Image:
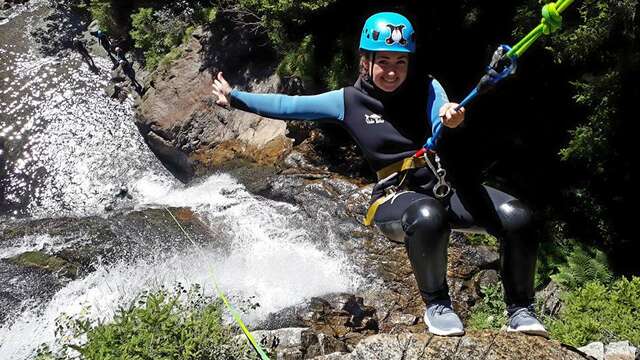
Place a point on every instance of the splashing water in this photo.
(268, 260)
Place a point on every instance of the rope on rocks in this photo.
(236, 316)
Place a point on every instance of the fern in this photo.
(583, 266)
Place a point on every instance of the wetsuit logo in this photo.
(396, 36)
(373, 119)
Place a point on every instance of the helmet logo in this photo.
(396, 36)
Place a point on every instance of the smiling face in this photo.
(389, 69)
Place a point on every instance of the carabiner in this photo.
(441, 189)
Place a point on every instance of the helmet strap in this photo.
(372, 58)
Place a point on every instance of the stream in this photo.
(68, 154)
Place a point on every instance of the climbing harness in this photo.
(502, 65)
(236, 317)
(440, 190)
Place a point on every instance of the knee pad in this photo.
(426, 216)
(515, 216)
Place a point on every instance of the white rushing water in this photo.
(269, 262)
(70, 149)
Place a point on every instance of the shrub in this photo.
(299, 62)
(273, 15)
(102, 12)
(583, 266)
(159, 32)
(598, 312)
(159, 325)
(490, 312)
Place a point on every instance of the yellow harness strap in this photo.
(411, 162)
(399, 167)
(371, 212)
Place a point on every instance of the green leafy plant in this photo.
(597, 312)
(583, 266)
(490, 312)
(272, 16)
(182, 324)
(102, 12)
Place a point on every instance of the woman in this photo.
(390, 115)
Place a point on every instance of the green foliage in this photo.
(341, 69)
(552, 253)
(299, 62)
(490, 312)
(598, 312)
(482, 239)
(159, 325)
(583, 266)
(159, 32)
(589, 143)
(568, 262)
(272, 16)
(102, 12)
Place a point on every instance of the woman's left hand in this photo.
(450, 117)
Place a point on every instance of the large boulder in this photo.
(182, 124)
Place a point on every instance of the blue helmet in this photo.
(388, 31)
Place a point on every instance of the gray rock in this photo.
(281, 338)
(550, 297)
(620, 350)
(595, 349)
(480, 345)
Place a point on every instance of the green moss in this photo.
(598, 312)
(176, 324)
(47, 262)
(482, 239)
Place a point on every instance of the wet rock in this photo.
(321, 344)
(50, 263)
(174, 160)
(63, 22)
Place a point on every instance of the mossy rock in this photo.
(51, 263)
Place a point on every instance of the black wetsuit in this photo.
(389, 127)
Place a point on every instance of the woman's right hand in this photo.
(221, 89)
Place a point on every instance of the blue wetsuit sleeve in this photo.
(329, 105)
(437, 98)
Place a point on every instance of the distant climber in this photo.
(104, 41)
(128, 70)
(78, 45)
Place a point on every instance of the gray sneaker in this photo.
(524, 320)
(442, 320)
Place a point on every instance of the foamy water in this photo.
(268, 261)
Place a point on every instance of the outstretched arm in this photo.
(329, 105)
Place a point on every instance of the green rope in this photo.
(550, 23)
(256, 346)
